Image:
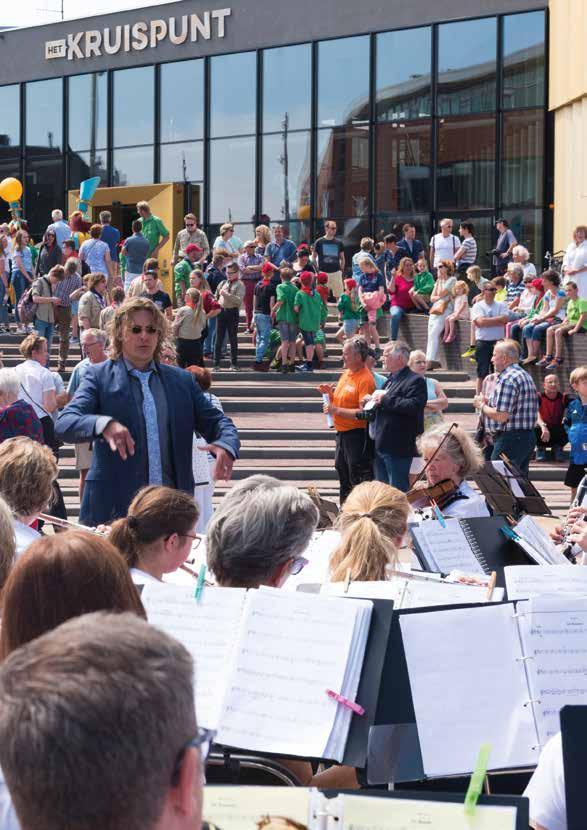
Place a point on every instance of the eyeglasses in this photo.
(491, 290)
(297, 565)
(190, 225)
(194, 536)
(202, 741)
(141, 329)
(89, 345)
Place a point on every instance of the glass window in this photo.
(287, 87)
(233, 84)
(242, 231)
(342, 172)
(528, 230)
(182, 162)
(10, 122)
(299, 232)
(402, 180)
(133, 165)
(484, 233)
(232, 180)
(44, 116)
(343, 81)
(133, 108)
(87, 111)
(286, 175)
(523, 60)
(523, 158)
(85, 165)
(182, 100)
(466, 163)
(404, 65)
(44, 191)
(466, 66)
(393, 223)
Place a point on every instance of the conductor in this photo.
(141, 415)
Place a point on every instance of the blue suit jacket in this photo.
(111, 482)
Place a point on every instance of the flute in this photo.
(56, 521)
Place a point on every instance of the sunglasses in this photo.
(141, 329)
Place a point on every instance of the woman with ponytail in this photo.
(156, 536)
(188, 327)
(372, 522)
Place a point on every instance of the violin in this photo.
(439, 494)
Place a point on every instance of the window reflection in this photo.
(232, 180)
(466, 163)
(402, 180)
(182, 162)
(467, 66)
(287, 87)
(484, 233)
(133, 107)
(87, 111)
(182, 101)
(523, 158)
(85, 165)
(528, 230)
(523, 60)
(44, 183)
(403, 74)
(286, 175)
(44, 116)
(343, 81)
(342, 172)
(233, 94)
(10, 121)
(393, 223)
(134, 165)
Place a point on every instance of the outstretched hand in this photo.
(224, 461)
(119, 439)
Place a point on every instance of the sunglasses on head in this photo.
(141, 329)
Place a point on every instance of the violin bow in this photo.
(433, 456)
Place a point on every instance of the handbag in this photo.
(27, 309)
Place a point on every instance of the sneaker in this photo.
(216, 367)
(540, 455)
(303, 368)
(469, 353)
(74, 341)
(558, 454)
(545, 361)
(233, 368)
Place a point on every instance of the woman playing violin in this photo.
(457, 458)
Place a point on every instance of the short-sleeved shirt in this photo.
(483, 309)
(35, 380)
(574, 312)
(546, 789)
(514, 291)
(93, 252)
(516, 394)
(310, 313)
(160, 298)
(43, 311)
(345, 306)
(445, 247)
(423, 282)
(286, 295)
(328, 252)
(278, 253)
(470, 255)
(263, 293)
(401, 296)
(137, 249)
(153, 230)
(350, 391)
(370, 282)
(77, 375)
(27, 259)
(111, 236)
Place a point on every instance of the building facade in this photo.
(371, 114)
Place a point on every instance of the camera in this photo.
(368, 415)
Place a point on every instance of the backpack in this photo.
(27, 309)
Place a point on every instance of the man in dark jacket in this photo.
(400, 416)
(409, 245)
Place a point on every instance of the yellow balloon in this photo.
(10, 190)
(304, 212)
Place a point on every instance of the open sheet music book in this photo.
(496, 674)
(414, 593)
(537, 544)
(280, 808)
(264, 660)
(526, 581)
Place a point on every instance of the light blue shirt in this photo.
(8, 819)
(62, 231)
(77, 376)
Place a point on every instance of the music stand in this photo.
(500, 490)
(574, 740)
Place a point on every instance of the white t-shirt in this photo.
(546, 789)
(24, 536)
(445, 247)
(34, 381)
(139, 578)
(529, 269)
(8, 819)
(496, 309)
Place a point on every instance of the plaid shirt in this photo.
(514, 393)
(66, 287)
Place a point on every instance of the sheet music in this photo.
(291, 648)
(322, 543)
(414, 593)
(513, 484)
(554, 635)
(392, 589)
(528, 581)
(206, 628)
(245, 808)
(531, 532)
(446, 548)
(372, 813)
(468, 688)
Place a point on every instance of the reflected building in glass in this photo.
(412, 119)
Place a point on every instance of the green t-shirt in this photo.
(574, 312)
(345, 306)
(310, 314)
(423, 283)
(181, 275)
(153, 230)
(286, 294)
(273, 344)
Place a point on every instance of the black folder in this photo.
(574, 740)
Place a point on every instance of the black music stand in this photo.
(498, 491)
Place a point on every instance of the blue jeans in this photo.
(395, 315)
(210, 340)
(263, 324)
(3, 306)
(20, 284)
(517, 444)
(394, 470)
(46, 331)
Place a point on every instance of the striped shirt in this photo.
(470, 255)
(66, 287)
(515, 393)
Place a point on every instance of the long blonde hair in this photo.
(372, 519)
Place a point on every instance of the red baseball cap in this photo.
(193, 249)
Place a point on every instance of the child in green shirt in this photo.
(349, 311)
(286, 317)
(575, 322)
(423, 285)
(308, 306)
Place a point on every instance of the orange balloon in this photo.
(304, 212)
(10, 190)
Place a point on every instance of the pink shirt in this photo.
(401, 296)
